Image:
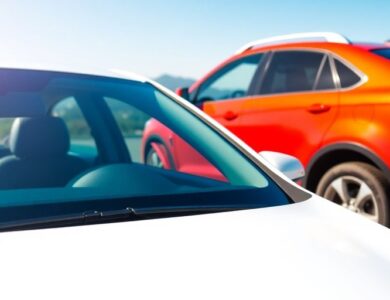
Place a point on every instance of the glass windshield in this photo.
(384, 52)
(74, 143)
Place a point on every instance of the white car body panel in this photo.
(85, 69)
(309, 250)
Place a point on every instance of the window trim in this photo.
(113, 128)
(335, 74)
(294, 92)
(331, 55)
(319, 72)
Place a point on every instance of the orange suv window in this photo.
(347, 77)
(292, 71)
(232, 81)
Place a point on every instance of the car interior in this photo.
(39, 146)
(39, 149)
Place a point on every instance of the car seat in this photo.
(39, 155)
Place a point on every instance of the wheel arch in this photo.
(337, 153)
(157, 139)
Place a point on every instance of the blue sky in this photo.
(178, 37)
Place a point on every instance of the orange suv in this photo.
(315, 96)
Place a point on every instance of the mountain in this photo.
(174, 82)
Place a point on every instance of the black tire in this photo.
(354, 177)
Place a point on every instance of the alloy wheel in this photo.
(355, 195)
(152, 159)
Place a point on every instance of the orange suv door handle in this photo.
(318, 108)
(230, 115)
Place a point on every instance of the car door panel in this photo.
(289, 115)
(222, 95)
(286, 123)
(227, 112)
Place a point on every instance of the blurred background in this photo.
(172, 41)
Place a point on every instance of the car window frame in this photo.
(363, 77)
(113, 125)
(268, 64)
(216, 75)
(336, 79)
(336, 83)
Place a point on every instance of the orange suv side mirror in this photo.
(183, 92)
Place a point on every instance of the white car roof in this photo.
(87, 70)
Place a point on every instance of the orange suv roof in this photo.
(306, 39)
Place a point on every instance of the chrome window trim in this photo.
(335, 74)
(319, 72)
(295, 93)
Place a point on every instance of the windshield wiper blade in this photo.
(96, 217)
(178, 210)
(89, 217)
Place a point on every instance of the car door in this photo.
(221, 95)
(297, 102)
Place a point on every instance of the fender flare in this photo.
(157, 139)
(351, 146)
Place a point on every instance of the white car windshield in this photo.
(72, 144)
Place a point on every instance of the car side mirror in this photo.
(289, 165)
(183, 92)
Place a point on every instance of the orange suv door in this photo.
(297, 102)
(221, 95)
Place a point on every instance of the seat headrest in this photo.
(40, 137)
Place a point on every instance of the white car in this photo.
(84, 218)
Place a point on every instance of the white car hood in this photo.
(309, 250)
